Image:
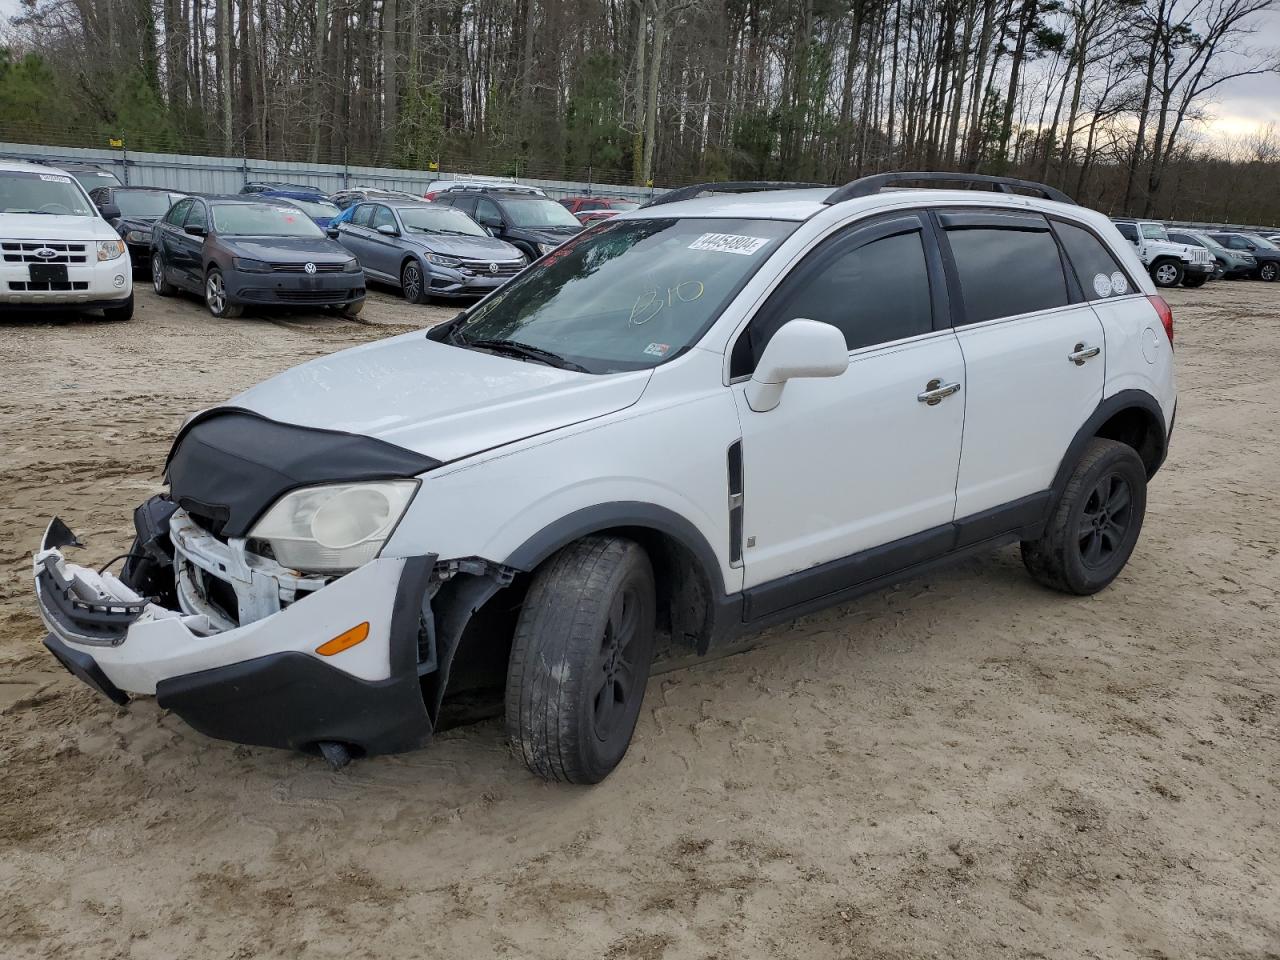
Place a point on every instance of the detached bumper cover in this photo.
(260, 683)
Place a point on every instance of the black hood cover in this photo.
(228, 466)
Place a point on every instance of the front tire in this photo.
(1096, 523)
(216, 299)
(1197, 281)
(121, 313)
(1268, 272)
(413, 283)
(1169, 273)
(352, 309)
(580, 659)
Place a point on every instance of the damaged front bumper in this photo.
(254, 674)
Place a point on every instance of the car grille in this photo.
(50, 286)
(24, 251)
(301, 268)
(508, 268)
(313, 296)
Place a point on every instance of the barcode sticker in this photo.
(729, 243)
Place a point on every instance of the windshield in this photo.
(1260, 242)
(1208, 242)
(537, 212)
(262, 220)
(629, 294)
(55, 194)
(1154, 231)
(421, 218)
(145, 204)
(317, 208)
(92, 179)
(623, 205)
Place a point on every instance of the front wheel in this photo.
(1096, 523)
(215, 297)
(580, 659)
(1197, 281)
(121, 312)
(1167, 274)
(413, 283)
(352, 309)
(1269, 272)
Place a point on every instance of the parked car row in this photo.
(1193, 257)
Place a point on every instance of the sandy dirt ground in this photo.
(966, 766)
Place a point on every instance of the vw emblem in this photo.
(45, 253)
(310, 268)
(493, 268)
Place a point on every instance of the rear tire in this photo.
(580, 659)
(413, 282)
(1096, 523)
(1167, 273)
(121, 313)
(162, 287)
(215, 297)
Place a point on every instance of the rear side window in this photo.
(179, 212)
(1099, 273)
(1004, 273)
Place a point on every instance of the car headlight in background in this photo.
(138, 236)
(333, 528)
(440, 261)
(351, 266)
(545, 248)
(250, 266)
(110, 249)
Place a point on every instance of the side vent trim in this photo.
(735, 503)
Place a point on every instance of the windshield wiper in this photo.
(523, 350)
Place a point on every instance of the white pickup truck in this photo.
(1168, 263)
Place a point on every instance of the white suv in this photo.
(689, 422)
(56, 251)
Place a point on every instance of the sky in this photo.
(1239, 107)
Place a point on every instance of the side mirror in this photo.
(109, 211)
(332, 232)
(195, 230)
(387, 230)
(800, 348)
(490, 224)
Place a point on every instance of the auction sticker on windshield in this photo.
(54, 179)
(729, 243)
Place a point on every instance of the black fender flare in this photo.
(1108, 408)
(620, 513)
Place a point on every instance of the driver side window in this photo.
(197, 217)
(382, 217)
(487, 212)
(178, 213)
(871, 282)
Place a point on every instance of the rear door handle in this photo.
(1083, 353)
(935, 391)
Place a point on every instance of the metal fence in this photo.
(197, 174)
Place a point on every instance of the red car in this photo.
(591, 209)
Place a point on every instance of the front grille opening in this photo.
(48, 286)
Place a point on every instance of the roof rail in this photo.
(731, 186)
(869, 186)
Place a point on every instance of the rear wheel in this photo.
(413, 283)
(580, 659)
(1269, 272)
(162, 287)
(1167, 273)
(1096, 523)
(215, 297)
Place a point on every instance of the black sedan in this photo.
(428, 250)
(133, 212)
(241, 250)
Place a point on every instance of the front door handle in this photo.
(1083, 353)
(935, 391)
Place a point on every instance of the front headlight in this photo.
(440, 261)
(351, 266)
(250, 266)
(110, 249)
(138, 236)
(545, 248)
(334, 528)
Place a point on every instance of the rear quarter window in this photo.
(1099, 273)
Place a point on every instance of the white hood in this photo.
(40, 226)
(442, 401)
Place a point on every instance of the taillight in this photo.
(1166, 315)
(429, 196)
